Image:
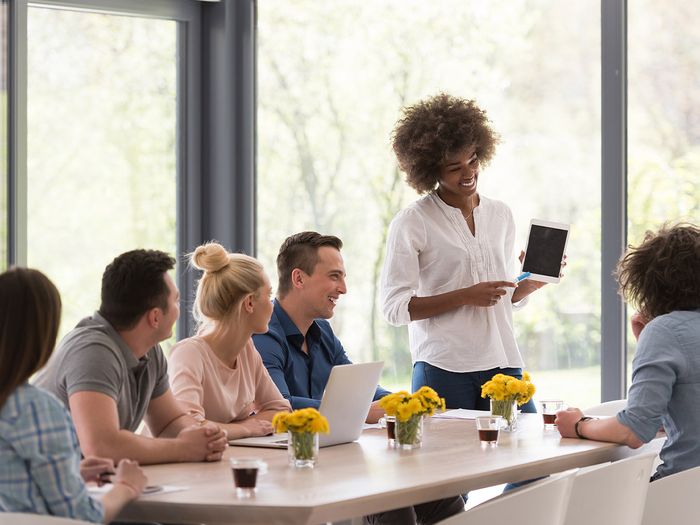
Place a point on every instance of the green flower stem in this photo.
(505, 408)
(303, 444)
(407, 431)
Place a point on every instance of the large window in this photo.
(101, 145)
(664, 117)
(332, 79)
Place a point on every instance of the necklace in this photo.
(466, 217)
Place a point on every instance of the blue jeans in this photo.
(462, 389)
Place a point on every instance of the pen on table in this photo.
(522, 276)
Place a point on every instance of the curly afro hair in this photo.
(661, 275)
(434, 128)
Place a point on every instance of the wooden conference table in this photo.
(365, 477)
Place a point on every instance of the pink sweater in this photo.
(210, 389)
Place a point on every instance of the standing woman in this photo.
(450, 264)
(41, 468)
(218, 374)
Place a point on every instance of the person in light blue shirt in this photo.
(661, 277)
(41, 468)
(300, 348)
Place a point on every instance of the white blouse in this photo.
(430, 250)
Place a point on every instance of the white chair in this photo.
(609, 408)
(20, 518)
(540, 503)
(612, 494)
(672, 499)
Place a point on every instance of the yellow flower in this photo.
(502, 387)
(302, 420)
(404, 405)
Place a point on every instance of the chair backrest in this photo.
(672, 499)
(609, 408)
(612, 494)
(18, 518)
(540, 503)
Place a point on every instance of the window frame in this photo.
(188, 121)
(217, 142)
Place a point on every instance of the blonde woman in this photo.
(217, 374)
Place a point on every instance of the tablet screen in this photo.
(545, 250)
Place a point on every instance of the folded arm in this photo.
(97, 423)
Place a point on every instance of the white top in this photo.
(430, 250)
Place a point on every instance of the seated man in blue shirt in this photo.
(300, 347)
(660, 277)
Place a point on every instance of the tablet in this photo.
(544, 252)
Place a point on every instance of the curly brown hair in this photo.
(434, 128)
(661, 274)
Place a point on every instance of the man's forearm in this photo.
(173, 428)
(609, 429)
(127, 445)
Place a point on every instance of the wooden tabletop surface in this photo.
(365, 477)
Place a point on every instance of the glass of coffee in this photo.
(245, 475)
(488, 428)
(549, 409)
(389, 422)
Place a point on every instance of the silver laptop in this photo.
(345, 404)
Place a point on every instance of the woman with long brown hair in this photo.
(42, 472)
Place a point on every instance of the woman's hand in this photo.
(130, 475)
(92, 467)
(528, 286)
(249, 427)
(487, 293)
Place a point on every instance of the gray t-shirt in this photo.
(666, 389)
(94, 358)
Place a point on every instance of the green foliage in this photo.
(101, 145)
(332, 79)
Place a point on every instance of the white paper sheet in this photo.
(151, 490)
(461, 413)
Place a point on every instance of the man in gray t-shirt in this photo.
(111, 373)
(94, 358)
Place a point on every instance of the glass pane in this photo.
(332, 78)
(4, 78)
(101, 146)
(664, 118)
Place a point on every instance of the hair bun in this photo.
(210, 257)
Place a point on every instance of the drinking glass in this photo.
(245, 475)
(390, 424)
(489, 428)
(549, 409)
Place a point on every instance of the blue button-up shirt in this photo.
(40, 459)
(301, 377)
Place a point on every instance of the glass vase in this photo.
(508, 409)
(409, 434)
(302, 449)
